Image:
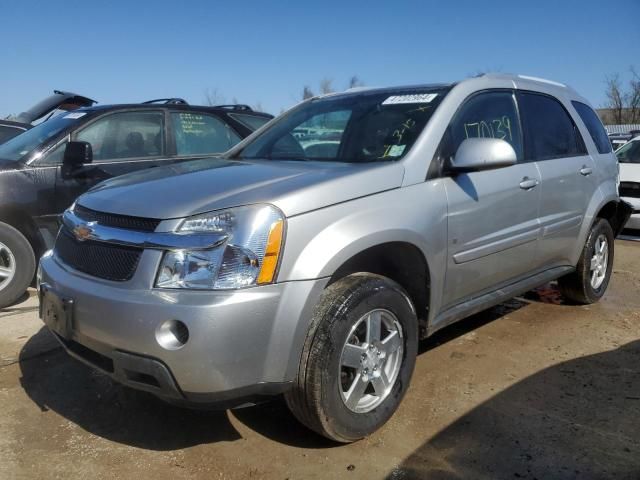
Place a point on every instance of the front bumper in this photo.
(634, 219)
(242, 344)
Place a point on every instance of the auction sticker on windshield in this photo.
(75, 115)
(415, 98)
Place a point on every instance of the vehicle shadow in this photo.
(54, 381)
(577, 419)
(18, 306)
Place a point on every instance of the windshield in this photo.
(365, 127)
(24, 144)
(629, 152)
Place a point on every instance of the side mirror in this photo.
(483, 154)
(76, 154)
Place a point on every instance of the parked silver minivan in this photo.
(311, 259)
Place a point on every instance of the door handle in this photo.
(528, 183)
(585, 171)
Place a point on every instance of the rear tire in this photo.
(17, 264)
(590, 280)
(358, 358)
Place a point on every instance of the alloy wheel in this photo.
(371, 360)
(7, 266)
(599, 261)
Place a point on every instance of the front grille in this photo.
(630, 189)
(102, 260)
(117, 221)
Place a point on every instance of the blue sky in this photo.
(265, 52)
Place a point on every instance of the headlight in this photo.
(248, 257)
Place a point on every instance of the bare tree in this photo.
(307, 92)
(213, 97)
(258, 107)
(633, 96)
(615, 97)
(325, 86)
(355, 82)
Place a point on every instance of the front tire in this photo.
(358, 358)
(590, 280)
(17, 264)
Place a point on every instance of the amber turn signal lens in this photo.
(271, 254)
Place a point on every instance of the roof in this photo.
(526, 80)
(174, 106)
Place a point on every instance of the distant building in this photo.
(622, 129)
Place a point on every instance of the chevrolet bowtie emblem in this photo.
(83, 232)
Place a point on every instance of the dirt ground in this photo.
(529, 389)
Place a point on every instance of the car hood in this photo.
(199, 186)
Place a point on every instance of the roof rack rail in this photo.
(237, 106)
(168, 101)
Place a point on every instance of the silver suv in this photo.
(313, 257)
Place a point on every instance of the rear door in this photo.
(492, 214)
(553, 141)
(197, 134)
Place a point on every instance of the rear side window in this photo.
(198, 134)
(594, 125)
(549, 131)
(252, 122)
(486, 115)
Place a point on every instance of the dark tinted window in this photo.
(594, 125)
(8, 132)
(549, 131)
(487, 115)
(629, 152)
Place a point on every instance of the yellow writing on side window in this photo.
(496, 128)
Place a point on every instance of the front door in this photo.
(122, 142)
(493, 214)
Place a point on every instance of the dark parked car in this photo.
(65, 101)
(45, 168)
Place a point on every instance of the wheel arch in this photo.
(616, 212)
(402, 262)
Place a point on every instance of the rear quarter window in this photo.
(594, 125)
(252, 122)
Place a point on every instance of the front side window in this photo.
(198, 134)
(629, 152)
(125, 135)
(366, 127)
(549, 131)
(594, 125)
(485, 115)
